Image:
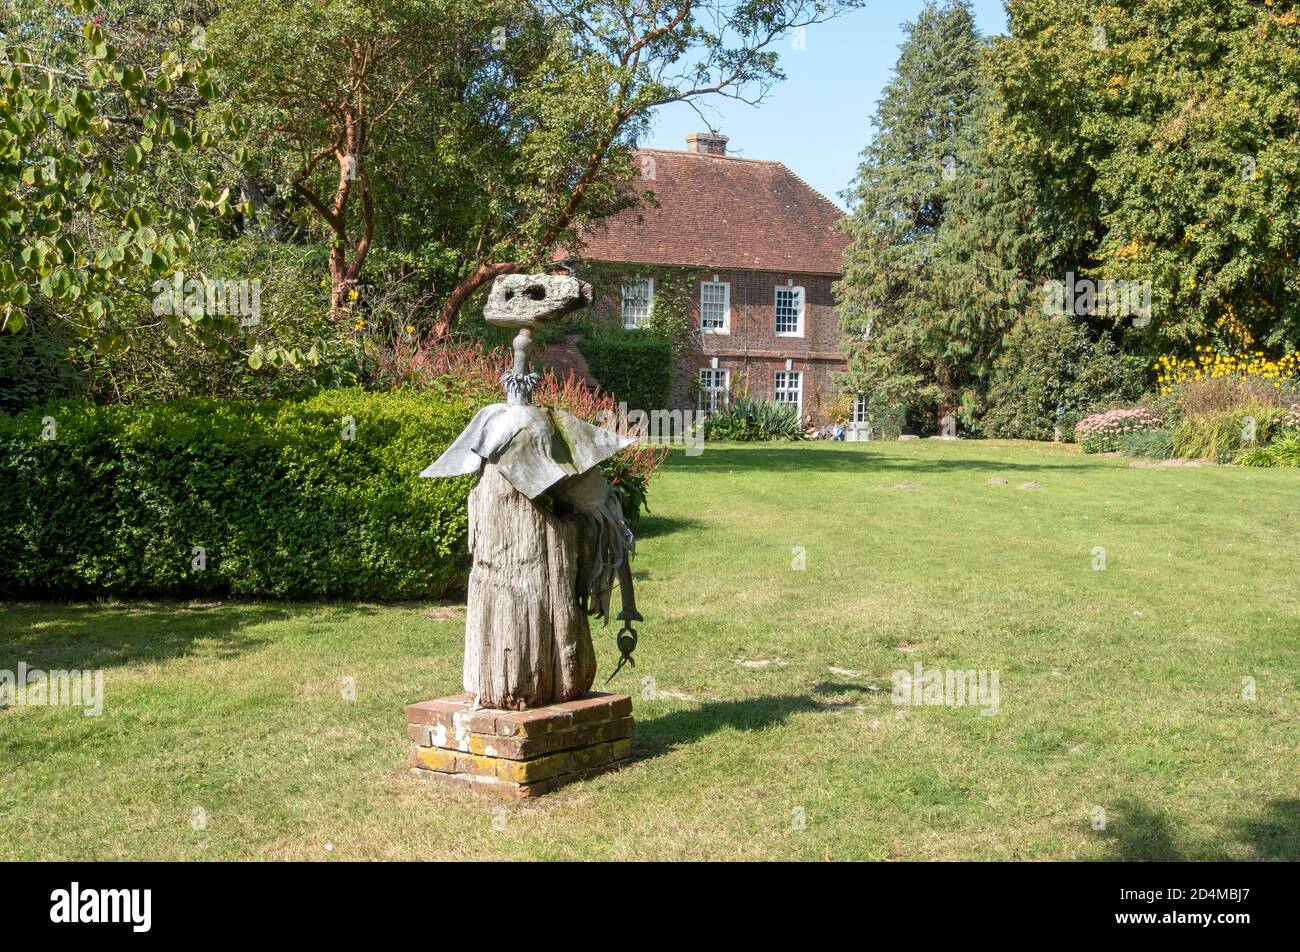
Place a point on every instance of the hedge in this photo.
(635, 366)
(282, 503)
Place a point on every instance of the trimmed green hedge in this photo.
(635, 366)
(283, 504)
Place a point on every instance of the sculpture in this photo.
(546, 530)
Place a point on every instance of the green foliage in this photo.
(1220, 437)
(1100, 443)
(34, 367)
(934, 274)
(631, 482)
(377, 119)
(1159, 141)
(289, 348)
(1152, 444)
(888, 420)
(1052, 372)
(670, 311)
(634, 366)
(1284, 450)
(88, 124)
(748, 420)
(283, 503)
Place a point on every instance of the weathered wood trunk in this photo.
(527, 641)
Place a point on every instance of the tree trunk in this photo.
(527, 641)
(461, 293)
(339, 286)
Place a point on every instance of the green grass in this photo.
(1119, 688)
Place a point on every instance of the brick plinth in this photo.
(517, 754)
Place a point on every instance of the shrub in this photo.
(1153, 444)
(281, 501)
(635, 366)
(451, 367)
(1101, 432)
(1051, 373)
(296, 347)
(1247, 372)
(1220, 394)
(1284, 450)
(1220, 437)
(749, 420)
(34, 366)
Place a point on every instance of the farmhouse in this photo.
(749, 251)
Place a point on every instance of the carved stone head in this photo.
(530, 300)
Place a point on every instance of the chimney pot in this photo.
(709, 143)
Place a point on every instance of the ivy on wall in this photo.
(639, 366)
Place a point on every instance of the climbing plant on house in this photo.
(639, 366)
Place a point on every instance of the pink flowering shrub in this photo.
(1292, 419)
(1101, 432)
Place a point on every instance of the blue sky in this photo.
(818, 120)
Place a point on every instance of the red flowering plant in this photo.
(470, 371)
(464, 369)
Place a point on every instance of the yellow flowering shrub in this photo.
(1249, 367)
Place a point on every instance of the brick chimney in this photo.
(710, 143)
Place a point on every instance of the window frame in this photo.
(777, 390)
(802, 297)
(860, 414)
(726, 307)
(724, 392)
(649, 282)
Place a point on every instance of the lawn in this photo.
(781, 586)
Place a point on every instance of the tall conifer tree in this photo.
(939, 263)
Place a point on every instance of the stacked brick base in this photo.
(517, 754)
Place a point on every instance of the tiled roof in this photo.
(723, 212)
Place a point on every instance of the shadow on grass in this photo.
(105, 636)
(657, 737)
(801, 457)
(1137, 832)
(1276, 835)
(653, 527)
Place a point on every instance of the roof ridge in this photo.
(706, 155)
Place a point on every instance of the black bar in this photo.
(447, 903)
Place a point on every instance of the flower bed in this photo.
(1102, 432)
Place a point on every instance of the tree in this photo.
(483, 135)
(332, 92)
(1160, 142)
(87, 122)
(620, 60)
(928, 284)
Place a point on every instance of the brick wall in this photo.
(750, 348)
